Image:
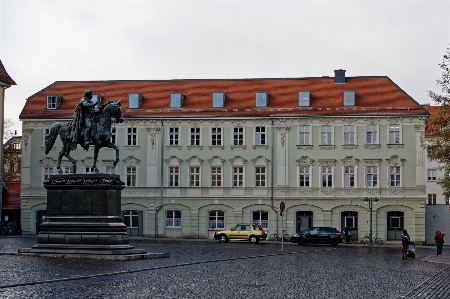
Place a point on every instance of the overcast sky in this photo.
(46, 41)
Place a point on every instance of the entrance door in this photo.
(303, 220)
(40, 217)
(350, 218)
(134, 221)
(394, 225)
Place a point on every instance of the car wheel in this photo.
(223, 238)
(334, 243)
(301, 241)
(253, 239)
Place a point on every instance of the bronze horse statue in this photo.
(102, 137)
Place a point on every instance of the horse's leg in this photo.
(60, 155)
(96, 149)
(112, 145)
(74, 163)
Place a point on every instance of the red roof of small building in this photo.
(374, 95)
(4, 77)
(11, 196)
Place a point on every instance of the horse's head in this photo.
(116, 111)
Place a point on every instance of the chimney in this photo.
(339, 76)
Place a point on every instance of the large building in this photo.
(202, 155)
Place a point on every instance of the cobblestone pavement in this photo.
(209, 269)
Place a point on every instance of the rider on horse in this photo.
(83, 119)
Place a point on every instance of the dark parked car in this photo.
(328, 235)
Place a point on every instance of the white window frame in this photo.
(216, 176)
(372, 131)
(326, 135)
(397, 180)
(67, 169)
(304, 135)
(195, 134)
(172, 221)
(304, 175)
(217, 218)
(259, 219)
(431, 174)
(134, 100)
(113, 135)
(349, 134)
(174, 136)
(131, 175)
(110, 169)
(46, 132)
(394, 134)
(260, 176)
(373, 175)
(431, 199)
(325, 176)
(238, 136)
(218, 99)
(216, 136)
(176, 100)
(46, 172)
(52, 102)
(304, 98)
(237, 173)
(131, 217)
(260, 135)
(349, 174)
(261, 99)
(173, 176)
(88, 169)
(132, 136)
(194, 176)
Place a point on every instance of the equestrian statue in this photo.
(91, 125)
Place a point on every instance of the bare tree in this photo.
(439, 124)
(7, 132)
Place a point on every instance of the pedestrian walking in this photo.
(347, 234)
(439, 242)
(405, 242)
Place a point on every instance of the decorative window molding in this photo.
(131, 161)
(237, 172)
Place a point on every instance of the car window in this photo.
(314, 231)
(326, 230)
(237, 227)
(306, 231)
(245, 227)
(256, 227)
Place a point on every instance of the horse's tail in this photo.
(54, 129)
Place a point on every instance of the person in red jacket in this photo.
(405, 243)
(439, 242)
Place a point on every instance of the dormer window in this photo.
(304, 99)
(134, 100)
(218, 99)
(53, 101)
(349, 98)
(176, 100)
(96, 98)
(261, 99)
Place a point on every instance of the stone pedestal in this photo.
(84, 219)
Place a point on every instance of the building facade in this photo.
(12, 157)
(202, 155)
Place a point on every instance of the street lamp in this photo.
(370, 201)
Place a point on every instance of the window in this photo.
(173, 218)
(349, 98)
(46, 135)
(431, 199)
(261, 99)
(113, 135)
(174, 176)
(349, 134)
(131, 218)
(238, 176)
(261, 217)
(238, 136)
(216, 176)
(327, 176)
(394, 134)
(431, 174)
(260, 135)
(260, 176)
(194, 176)
(88, 170)
(131, 176)
(304, 99)
(218, 99)
(216, 136)
(326, 135)
(349, 176)
(304, 176)
(67, 169)
(195, 136)
(131, 136)
(176, 100)
(216, 219)
(96, 98)
(47, 172)
(173, 136)
(371, 134)
(134, 100)
(394, 176)
(16, 145)
(303, 135)
(52, 101)
(110, 170)
(372, 176)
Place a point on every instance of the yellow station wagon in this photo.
(250, 232)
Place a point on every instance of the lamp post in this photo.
(370, 201)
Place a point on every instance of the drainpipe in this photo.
(162, 180)
(271, 171)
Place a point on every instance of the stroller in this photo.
(411, 252)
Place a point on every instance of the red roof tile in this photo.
(11, 197)
(4, 77)
(374, 95)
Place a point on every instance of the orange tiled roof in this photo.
(434, 110)
(11, 197)
(374, 95)
(4, 77)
